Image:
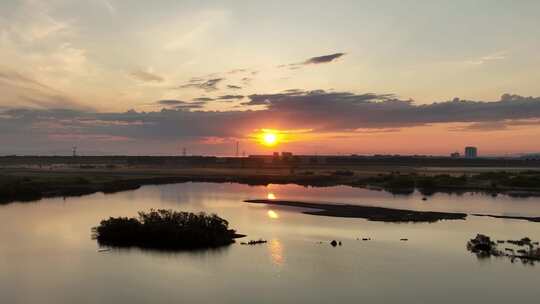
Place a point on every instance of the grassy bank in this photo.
(525, 183)
(29, 185)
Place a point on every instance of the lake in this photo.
(47, 254)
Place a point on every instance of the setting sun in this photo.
(269, 139)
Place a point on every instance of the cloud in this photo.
(146, 76)
(295, 97)
(346, 111)
(230, 97)
(203, 99)
(502, 125)
(170, 102)
(320, 111)
(206, 85)
(17, 88)
(235, 71)
(243, 71)
(17, 79)
(32, 22)
(313, 60)
(181, 105)
(189, 107)
(233, 87)
(323, 59)
(488, 58)
(108, 5)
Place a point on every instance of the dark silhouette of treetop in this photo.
(165, 229)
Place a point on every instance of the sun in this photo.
(269, 139)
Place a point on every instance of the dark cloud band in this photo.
(319, 111)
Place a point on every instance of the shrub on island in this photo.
(165, 229)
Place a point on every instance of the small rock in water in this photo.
(404, 240)
(333, 243)
(339, 243)
(424, 198)
(500, 241)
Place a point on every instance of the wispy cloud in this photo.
(313, 60)
(181, 105)
(109, 6)
(235, 71)
(495, 126)
(17, 79)
(145, 76)
(323, 59)
(203, 99)
(489, 58)
(230, 97)
(206, 85)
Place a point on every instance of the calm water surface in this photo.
(47, 256)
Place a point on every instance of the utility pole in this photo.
(237, 148)
(184, 152)
(74, 151)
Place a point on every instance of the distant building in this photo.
(286, 155)
(455, 155)
(471, 152)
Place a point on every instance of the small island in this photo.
(165, 229)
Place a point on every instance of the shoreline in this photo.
(510, 217)
(24, 185)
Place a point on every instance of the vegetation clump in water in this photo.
(255, 242)
(165, 229)
(484, 247)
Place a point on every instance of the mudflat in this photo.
(378, 214)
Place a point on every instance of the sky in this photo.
(328, 77)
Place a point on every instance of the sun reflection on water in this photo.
(275, 249)
(272, 214)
